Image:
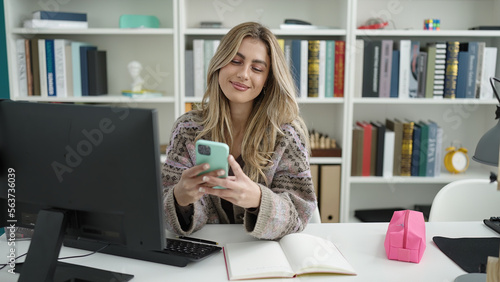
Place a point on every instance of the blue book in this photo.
(76, 66)
(295, 66)
(395, 74)
(84, 68)
(59, 16)
(473, 49)
(463, 68)
(415, 155)
(431, 148)
(51, 67)
(424, 142)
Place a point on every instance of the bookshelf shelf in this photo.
(428, 33)
(278, 32)
(100, 99)
(95, 31)
(423, 101)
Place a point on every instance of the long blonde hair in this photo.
(275, 106)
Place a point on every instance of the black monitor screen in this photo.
(99, 164)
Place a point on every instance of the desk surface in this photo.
(361, 243)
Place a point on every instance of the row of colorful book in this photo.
(60, 68)
(407, 69)
(397, 148)
(317, 66)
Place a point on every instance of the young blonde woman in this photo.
(250, 105)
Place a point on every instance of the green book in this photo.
(329, 67)
(431, 63)
(424, 144)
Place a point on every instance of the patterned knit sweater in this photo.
(286, 204)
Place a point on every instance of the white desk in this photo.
(361, 243)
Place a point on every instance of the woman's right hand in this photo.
(187, 190)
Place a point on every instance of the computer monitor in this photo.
(88, 174)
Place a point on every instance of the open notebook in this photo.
(295, 254)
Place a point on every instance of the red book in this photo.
(367, 147)
(338, 86)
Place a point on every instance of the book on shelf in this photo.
(395, 74)
(322, 69)
(51, 69)
(385, 68)
(189, 74)
(35, 64)
(463, 67)
(439, 151)
(60, 16)
(407, 148)
(451, 73)
(404, 47)
(36, 23)
(439, 70)
(21, 67)
(421, 74)
(29, 69)
(429, 78)
(357, 151)
(413, 83)
(388, 165)
(62, 59)
(373, 156)
(358, 68)
(396, 126)
(84, 71)
(415, 154)
(329, 68)
(295, 66)
(77, 67)
(431, 148)
(371, 68)
(424, 144)
(479, 67)
(470, 84)
(339, 68)
(367, 147)
(313, 69)
(380, 150)
(292, 255)
(42, 59)
(199, 67)
(97, 72)
(304, 69)
(489, 69)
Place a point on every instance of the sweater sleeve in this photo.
(289, 201)
(180, 156)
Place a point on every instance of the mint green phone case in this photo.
(213, 153)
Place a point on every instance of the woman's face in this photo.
(244, 77)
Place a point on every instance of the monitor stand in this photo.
(41, 261)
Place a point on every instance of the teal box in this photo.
(139, 21)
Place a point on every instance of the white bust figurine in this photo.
(135, 68)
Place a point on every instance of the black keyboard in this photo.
(493, 223)
(192, 251)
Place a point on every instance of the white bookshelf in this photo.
(162, 50)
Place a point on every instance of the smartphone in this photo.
(213, 153)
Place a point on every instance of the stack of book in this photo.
(51, 19)
(60, 68)
(406, 69)
(397, 148)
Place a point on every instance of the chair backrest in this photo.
(466, 200)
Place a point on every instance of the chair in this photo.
(316, 218)
(466, 200)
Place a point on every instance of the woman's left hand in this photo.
(240, 190)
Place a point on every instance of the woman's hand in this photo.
(189, 189)
(240, 190)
